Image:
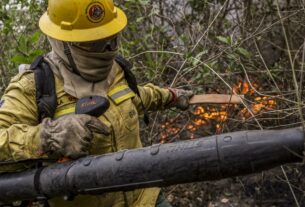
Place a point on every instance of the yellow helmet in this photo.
(82, 20)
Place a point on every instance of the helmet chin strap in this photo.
(67, 52)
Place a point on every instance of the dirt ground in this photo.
(268, 189)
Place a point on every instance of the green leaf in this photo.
(140, 19)
(35, 37)
(196, 60)
(19, 59)
(36, 53)
(232, 56)
(23, 44)
(203, 52)
(228, 194)
(243, 52)
(226, 40)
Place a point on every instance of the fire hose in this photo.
(210, 158)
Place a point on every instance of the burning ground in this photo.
(266, 189)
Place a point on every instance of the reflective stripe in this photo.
(121, 93)
(66, 111)
(117, 89)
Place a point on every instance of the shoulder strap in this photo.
(130, 77)
(46, 98)
(131, 81)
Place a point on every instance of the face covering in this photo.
(93, 65)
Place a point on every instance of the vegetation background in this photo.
(250, 47)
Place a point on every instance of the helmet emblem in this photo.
(95, 12)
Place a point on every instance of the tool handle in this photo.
(216, 99)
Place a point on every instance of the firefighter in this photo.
(84, 36)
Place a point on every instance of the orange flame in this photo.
(206, 115)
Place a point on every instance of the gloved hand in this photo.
(180, 98)
(70, 135)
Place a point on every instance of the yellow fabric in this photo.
(120, 94)
(19, 127)
(62, 112)
(82, 20)
(19, 133)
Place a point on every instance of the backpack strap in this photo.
(131, 81)
(46, 98)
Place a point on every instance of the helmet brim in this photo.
(113, 27)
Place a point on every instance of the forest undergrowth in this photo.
(250, 48)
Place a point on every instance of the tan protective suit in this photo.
(19, 130)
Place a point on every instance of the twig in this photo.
(231, 89)
(296, 91)
(302, 71)
(185, 61)
(291, 189)
(262, 94)
(266, 67)
(155, 51)
(295, 81)
(197, 43)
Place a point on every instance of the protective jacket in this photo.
(20, 130)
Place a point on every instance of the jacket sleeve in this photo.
(19, 127)
(153, 97)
